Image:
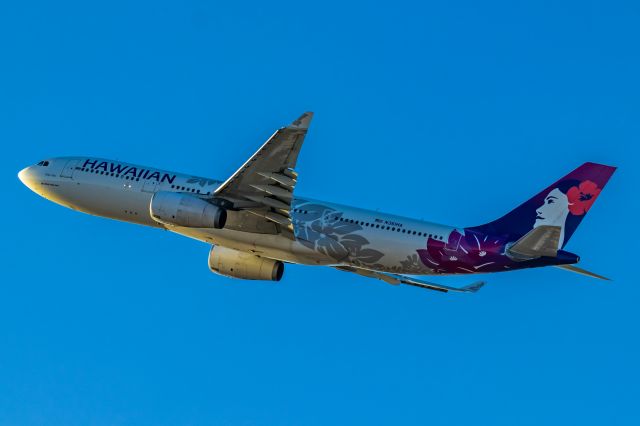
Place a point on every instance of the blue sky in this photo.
(450, 112)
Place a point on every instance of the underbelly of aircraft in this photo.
(273, 246)
(365, 251)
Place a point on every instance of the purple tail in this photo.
(564, 204)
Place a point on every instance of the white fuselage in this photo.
(123, 191)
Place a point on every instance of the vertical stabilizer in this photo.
(563, 204)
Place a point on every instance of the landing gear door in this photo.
(67, 171)
(150, 185)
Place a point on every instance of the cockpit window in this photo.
(43, 163)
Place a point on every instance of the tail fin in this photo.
(563, 204)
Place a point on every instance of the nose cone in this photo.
(26, 177)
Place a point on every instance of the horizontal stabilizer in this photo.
(581, 271)
(540, 241)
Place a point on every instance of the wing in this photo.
(263, 186)
(395, 279)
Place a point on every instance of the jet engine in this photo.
(173, 208)
(239, 264)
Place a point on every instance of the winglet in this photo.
(303, 121)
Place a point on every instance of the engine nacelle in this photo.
(239, 264)
(174, 208)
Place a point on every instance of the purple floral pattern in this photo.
(465, 252)
(477, 249)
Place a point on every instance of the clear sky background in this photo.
(453, 113)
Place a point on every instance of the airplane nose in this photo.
(23, 175)
(26, 177)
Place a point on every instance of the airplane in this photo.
(255, 224)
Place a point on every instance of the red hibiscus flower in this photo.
(581, 197)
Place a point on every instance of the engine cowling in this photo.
(238, 264)
(173, 208)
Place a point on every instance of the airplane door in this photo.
(150, 186)
(68, 169)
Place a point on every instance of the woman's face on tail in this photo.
(554, 210)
